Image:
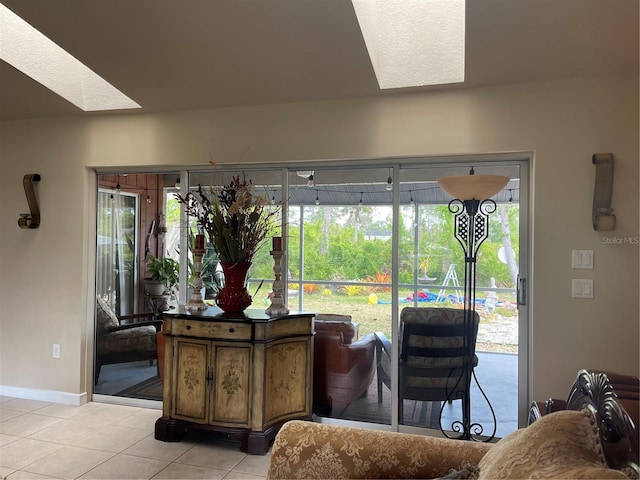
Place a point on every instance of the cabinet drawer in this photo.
(216, 330)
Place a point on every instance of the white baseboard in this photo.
(130, 402)
(52, 396)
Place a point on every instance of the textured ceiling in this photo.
(172, 55)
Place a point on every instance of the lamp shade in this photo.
(473, 187)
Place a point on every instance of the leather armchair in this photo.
(343, 368)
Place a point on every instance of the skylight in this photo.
(414, 42)
(35, 55)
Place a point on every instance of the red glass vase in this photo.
(234, 297)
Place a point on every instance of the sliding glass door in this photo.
(116, 267)
(362, 243)
(431, 272)
(340, 267)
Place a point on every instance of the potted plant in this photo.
(237, 222)
(164, 274)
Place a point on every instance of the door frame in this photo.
(524, 159)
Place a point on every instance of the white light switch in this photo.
(581, 288)
(582, 259)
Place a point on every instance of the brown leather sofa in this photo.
(343, 366)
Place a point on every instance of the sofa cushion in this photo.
(137, 339)
(563, 444)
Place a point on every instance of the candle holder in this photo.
(277, 306)
(196, 303)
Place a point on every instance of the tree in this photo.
(506, 243)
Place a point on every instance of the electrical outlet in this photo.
(56, 350)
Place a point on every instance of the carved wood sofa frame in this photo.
(618, 433)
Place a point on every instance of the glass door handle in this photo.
(521, 291)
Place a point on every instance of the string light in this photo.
(310, 180)
(317, 198)
(389, 181)
(417, 195)
(360, 203)
(177, 184)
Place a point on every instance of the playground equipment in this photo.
(451, 278)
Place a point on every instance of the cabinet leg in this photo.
(259, 443)
(256, 444)
(169, 430)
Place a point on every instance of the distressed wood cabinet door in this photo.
(232, 387)
(191, 380)
(287, 379)
(213, 382)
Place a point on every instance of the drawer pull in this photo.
(188, 327)
(231, 330)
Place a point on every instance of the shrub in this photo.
(379, 277)
(352, 290)
(311, 288)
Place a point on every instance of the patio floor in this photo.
(497, 374)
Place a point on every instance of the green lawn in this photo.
(376, 317)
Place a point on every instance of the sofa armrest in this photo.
(157, 324)
(137, 317)
(312, 450)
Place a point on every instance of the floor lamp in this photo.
(471, 207)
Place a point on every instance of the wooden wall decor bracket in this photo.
(602, 213)
(30, 220)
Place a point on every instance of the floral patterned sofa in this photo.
(595, 438)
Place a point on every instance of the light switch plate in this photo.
(582, 259)
(581, 288)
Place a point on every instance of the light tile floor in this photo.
(103, 441)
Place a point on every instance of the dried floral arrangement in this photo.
(236, 220)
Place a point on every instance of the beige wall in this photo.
(46, 274)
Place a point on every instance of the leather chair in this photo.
(118, 341)
(433, 355)
(343, 366)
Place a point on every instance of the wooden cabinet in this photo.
(242, 376)
(223, 398)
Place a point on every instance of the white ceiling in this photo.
(185, 54)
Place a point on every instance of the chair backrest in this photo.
(436, 349)
(336, 327)
(333, 317)
(105, 317)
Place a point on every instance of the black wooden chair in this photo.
(129, 338)
(435, 354)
